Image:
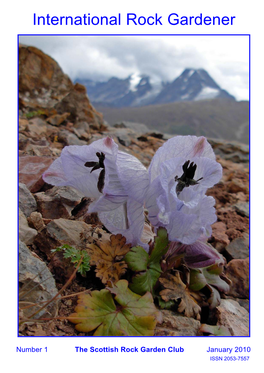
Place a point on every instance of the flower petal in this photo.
(69, 169)
(201, 254)
(127, 219)
(186, 147)
(133, 175)
(116, 180)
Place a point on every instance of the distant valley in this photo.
(221, 119)
(191, 104)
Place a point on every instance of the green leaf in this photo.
(133, 316)
(75, 256)
(145, 281)
(161, 242)
(137, 259)
(208, 276)
(197, 280)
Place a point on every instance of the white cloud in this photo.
(163, 57)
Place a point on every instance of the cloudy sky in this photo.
(226, 58)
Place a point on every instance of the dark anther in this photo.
(97, 166)
(187, 178)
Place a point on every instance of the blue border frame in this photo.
(92, 35)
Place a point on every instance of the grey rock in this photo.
(239, 248)
(26, 234)
(69, 138)
(243, 302)
(81, 134)
(82, 126)
(242, 208)
(68, 195)
(140, 128)
(236, 318)
(123, 135)
(36, 285)
(68, 231)
(237, 157)
(175, 324)
(27, 202)
(38, 150)
(37, 127)
(22, 141)
(230, 150)
(72, 139)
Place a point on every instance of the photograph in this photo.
(133, 195)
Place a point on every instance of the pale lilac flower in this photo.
(116, 181)
(180, 173)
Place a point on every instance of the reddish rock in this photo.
(219, 236)
(43, 85)
(39, 72)
(57, 119)
(237, 271)
(51, 207)
(57, 202)
(77, 103)
(31, 169)
(233, 220)
(237, 185)
(35, 221)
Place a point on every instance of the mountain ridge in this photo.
(140, 89)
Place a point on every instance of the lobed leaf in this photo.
(108, 258)
(176, 290)
(133, 316)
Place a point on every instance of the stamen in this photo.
(97, 166)
(187, 178)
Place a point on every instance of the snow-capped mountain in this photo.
(136, 90)
(140, 90)
(191, 85)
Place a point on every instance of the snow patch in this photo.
(186, 96)
(190, 73)
(207, 93)
(134, 81)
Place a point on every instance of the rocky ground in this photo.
(55, 113)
